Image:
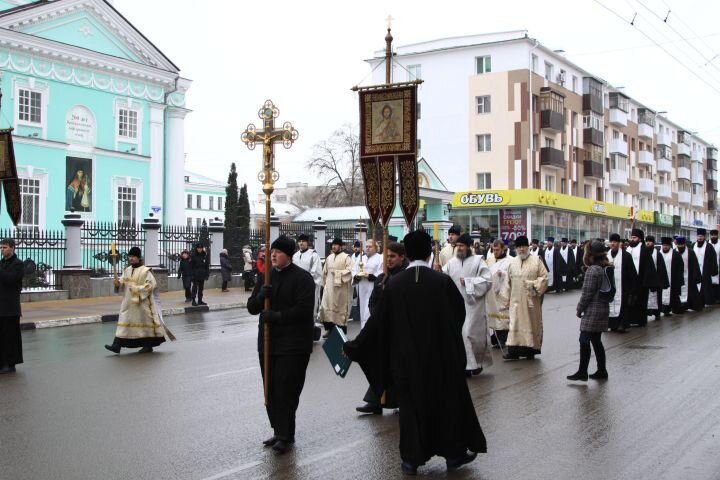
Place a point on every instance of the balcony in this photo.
(664, 139)
(618, 145)
(683, 149)
(712, 153)
(664, 165)
(593, 136)
(684, 197)
(647, 186)
(683, 173)
(712, 185)
(698, 176)
(646, 158)
(552, 157)
(698, 200)
(618, 178)
(664, 191)
(712, 164)
(618, 118)
(552, 120)
(645, 131)
(593, 169)
(697, 156)
(712, 205)
(593, 102)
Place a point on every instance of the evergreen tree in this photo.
(243, 216)
(231, 214)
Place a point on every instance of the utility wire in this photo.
(635, 47)
(712, 49)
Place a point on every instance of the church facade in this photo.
(98, 114)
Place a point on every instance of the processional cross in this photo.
(269, 136)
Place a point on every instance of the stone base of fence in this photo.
(161, 278)
(76, 281)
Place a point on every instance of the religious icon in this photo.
(386, 124)
(78, 194)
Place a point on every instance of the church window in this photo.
(128, 123)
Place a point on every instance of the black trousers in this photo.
(224, 285)
(10, 341)
(287, 379)
(187, 285)
(594, 339)
(197, 289)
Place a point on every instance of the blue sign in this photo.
(698, 223)
(155, 209)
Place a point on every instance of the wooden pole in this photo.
(266, 326)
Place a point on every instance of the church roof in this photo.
(333, 214)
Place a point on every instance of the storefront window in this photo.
(537, 224)
(485, 223)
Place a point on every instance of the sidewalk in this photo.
(60, 313)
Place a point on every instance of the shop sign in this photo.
(598, 208)
(663, 219)
(513, 223)
(490, 198)
(645, 216)
(698, 223)
(677, 221)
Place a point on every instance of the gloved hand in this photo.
(578, 314)
(371, 277)
(269, 316)
(265, 292)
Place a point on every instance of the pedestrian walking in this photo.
(248, 268)
(292, 294)
(225, 269)
(626, 285)
(260, 266)
(708, 263)
(185, 273)
(593, 311)
(448, 251)
(200, 264)
(309, 260)
(336, 288)
(365, 278)
(647, 277)
(670, 297)
(414, 343)
(690, 298)
(11, 276)
(357, 258)
(139, 324)
(498, 314)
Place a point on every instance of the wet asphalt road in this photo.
(194, 409)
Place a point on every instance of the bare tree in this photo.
(337, 162)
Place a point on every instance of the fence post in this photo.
(274, 230)
(320, 228)
(217, 230)
(361, 232)
(73, 248)
(151, 248)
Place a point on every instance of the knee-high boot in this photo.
(582, 374)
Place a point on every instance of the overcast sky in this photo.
(306, 56)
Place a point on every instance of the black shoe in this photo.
(368, 408)
(530, 357)
(408, 468)
(476, 371)
(621, 330)
(113, 348)
(194, 303)
(468, 373)
(454, 463)
(201, 303)
(326, 334)
(7, 369)
(188, 300)
(599, 375)
(145, 350)
(578, 376)
(281, 446)
(270, 441)
(510, 356)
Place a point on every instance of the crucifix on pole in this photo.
(269, 136)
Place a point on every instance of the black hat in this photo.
(564, 240)
(551, 239)
(522, 241)
(198, 245)
(392, 238)
(284, 244)
(356, 243)
(597, 248)
(713, 232)
(338, 241)
(636, 232)
(573, 240)
(680, 240)
(455, 229)
(303, 237)
(535, 241)
(701, 231)
(666, 241)
(615, 237)
(135, 252)
(650, 238)
(465, 240)
(418, 245)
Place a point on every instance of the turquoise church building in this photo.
(98, 113)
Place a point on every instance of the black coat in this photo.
(413, 343)
(677, 280)
(225, 268)
(11, 275)
(293, 295)
(647, 281)
(663, 278)
(628, 287)
(709, 270)
(562, 268)
(379, 286)
(694, 300)
(200, 265)
(185, 269)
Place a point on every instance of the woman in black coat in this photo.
(11, 276)
(200, 264)
(225, 269)
(185, 272)
(593, 312)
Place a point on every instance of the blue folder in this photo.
(333, 348)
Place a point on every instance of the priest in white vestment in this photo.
(365, 279)
(309, 260)
(337, 278)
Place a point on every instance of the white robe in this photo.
(652, 298)
(667, 257)
(716, 246)
(564, 255)
(373, 266)
(355, 261)
(309, 260)
(700, 254)
(549, 254)
(498, 315)
(336, 294)
(635, 253)
(616, 304)
(446, 254)
(478, 281)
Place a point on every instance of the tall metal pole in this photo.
(388, 81)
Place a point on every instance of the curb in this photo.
(113, 317)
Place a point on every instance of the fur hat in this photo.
(418, 245)
(666, 241)
(522, 241)
(455, 229)
(284, 244)
(465, 240)
(135, 252)
(636, 232)
(303, 238)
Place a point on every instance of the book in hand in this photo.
(333, 348)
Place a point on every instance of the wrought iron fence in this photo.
(96, 239)
(174, 239)
(42, 252)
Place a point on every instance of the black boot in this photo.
(113, 348)
(582, 374)
(601, 373)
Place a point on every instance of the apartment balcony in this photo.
(698, 175)
(698, 200)
(593, 169)
(684, 197)
(697, 156)
(646, 158)
(712, 164)
(712, 205)
(683, 149)
(552, 120)
(683, 173)
(618, 118)
(712, 153)
(647, 186)
(552, 157)
(664, 165)
(645, 131)
(664, 190)
(712, 185)
(618, 145)
(593, 102)
(618, 178)
(664, 139)
(593, 136)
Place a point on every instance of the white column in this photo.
(216, 229)
(175, 166)
(319, 228)
(157, 155)
(274, 229)
(151, 254)
(73, 224)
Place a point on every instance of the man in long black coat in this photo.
(292, 300)
(707, 260)
(626, 283)
(563, 266)
(414, 343)
(200, 265)
(670, 296)
(690, 298)
(647, 277)
(11, 275)
(663, 280)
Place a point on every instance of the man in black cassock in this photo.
(11, 275)
(626, 283)
(715, 243)
(670, 296)
(577, 273)
(647, 277)
(413, 342)
(708, 262)
(654, 304)
(564, 265)
(690, 298)
(292, 301)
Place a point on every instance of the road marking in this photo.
(232, 372)
(245, 466)
(333, 452)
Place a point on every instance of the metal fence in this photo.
(42, 252)
(174, 239)
(96, 239)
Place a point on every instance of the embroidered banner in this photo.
(8, 175)
(409, 187)
(371, 182)
(388, 121)
(387, 188)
